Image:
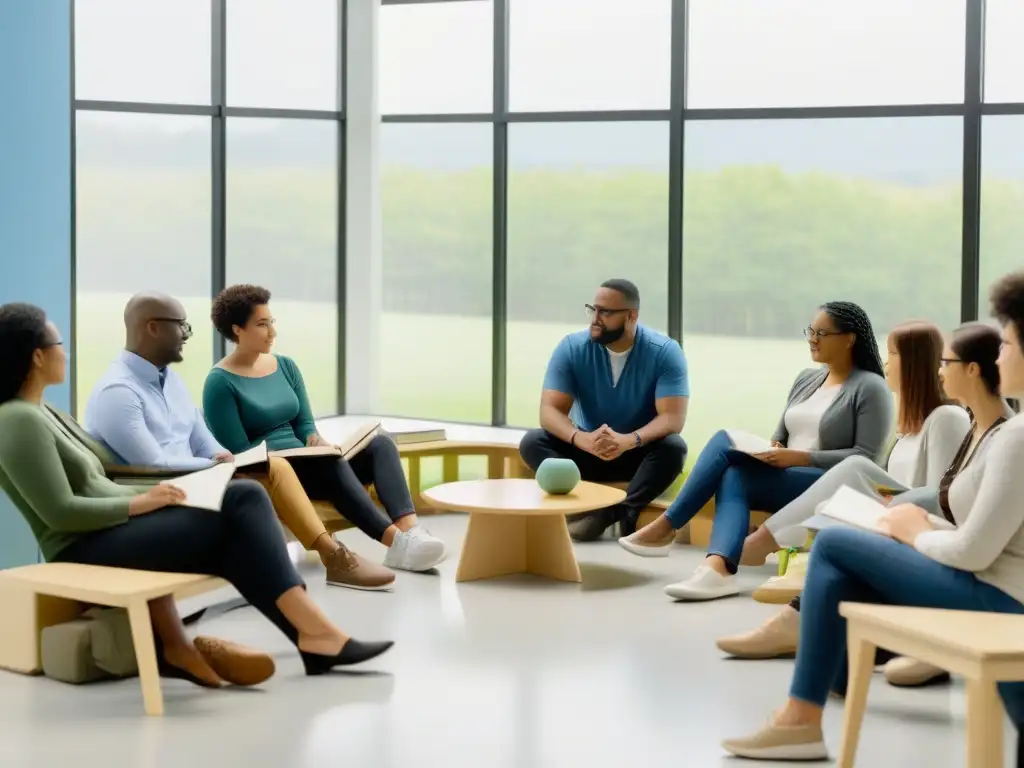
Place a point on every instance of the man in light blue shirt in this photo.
(142, 411)
(614, 401)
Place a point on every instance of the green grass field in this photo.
(438, 367)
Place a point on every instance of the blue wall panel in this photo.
(35, 189)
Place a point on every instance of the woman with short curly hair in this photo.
(254, 396)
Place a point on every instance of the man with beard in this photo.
(143, 414)
(614, 402)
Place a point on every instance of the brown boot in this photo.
(347, 569)
(235, 663)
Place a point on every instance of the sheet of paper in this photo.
(848, 507)
(255, 455)
(748, 442)
(205, 489)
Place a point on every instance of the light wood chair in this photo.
(983, 648)
(38, 596)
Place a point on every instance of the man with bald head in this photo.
(142, 413)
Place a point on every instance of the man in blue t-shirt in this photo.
(614, 402)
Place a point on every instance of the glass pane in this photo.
(811, 53)
(1002, 201)
(282, 234)
(283, 54)
(157, 51)
(1004, 57)
(143, 195)
(781, 216)
(436, 330)
(437, 57)
(587, 202)
(589, 54)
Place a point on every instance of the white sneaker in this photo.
(414, 552)
(632, 546)
(705, 584)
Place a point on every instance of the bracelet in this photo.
(572, 439)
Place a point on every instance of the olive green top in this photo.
(57, 484)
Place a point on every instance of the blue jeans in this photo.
(738, 483)
(863, 567)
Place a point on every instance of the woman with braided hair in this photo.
(842, 409)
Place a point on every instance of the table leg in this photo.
(549, 550)
(145, 654)
(495, 545)
(984, 725)
(862, 664)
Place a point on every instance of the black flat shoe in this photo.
(167, 670)
(353, 652)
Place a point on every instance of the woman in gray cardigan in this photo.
(839, 410)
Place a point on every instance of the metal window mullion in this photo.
(676, 171)
(499, 203)
(73, 265)
(218, 159)
(974, 55)
(341, 264)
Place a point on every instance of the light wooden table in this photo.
(984, 648)
(515, 527)
(38, 596)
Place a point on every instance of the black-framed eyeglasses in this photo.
(184, 325)
(817, 333)
(602, 312)
(950, 360)
(49, 344)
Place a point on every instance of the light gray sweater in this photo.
(857, 422)
(987, 502)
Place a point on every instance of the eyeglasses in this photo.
(186, 328)
(817, 333)
(947, 361)
(602, 312)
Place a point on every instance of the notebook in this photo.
(252, 457)
(848, 507)
(748, 442)
(205, 489)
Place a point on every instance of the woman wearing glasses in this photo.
(928, 454)
(839, 410)
(975, 563)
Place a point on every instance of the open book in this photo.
(748, 442)
(205, 489)
(353, 443)
(853, 508)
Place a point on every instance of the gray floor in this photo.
(494, 674)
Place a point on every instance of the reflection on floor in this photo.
(505, 673)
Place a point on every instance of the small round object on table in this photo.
(515, 527)
(558, 476)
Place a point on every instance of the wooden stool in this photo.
(39, 596)
(984, 648)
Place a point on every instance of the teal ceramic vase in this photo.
(558, 476)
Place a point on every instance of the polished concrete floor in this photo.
(508, 673)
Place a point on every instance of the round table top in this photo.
(520, 497)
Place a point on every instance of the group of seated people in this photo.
(953, 535)
(614, 401)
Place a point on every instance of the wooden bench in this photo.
(38, 596)
(984, 648)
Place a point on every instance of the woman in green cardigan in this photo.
(254, 396)
(78, 515)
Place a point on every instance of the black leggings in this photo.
(242, 543)
(341, 482)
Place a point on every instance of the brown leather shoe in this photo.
(235, 663)
(347, 569)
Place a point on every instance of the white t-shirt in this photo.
(902, 466)
(803, 420)
(617, 360)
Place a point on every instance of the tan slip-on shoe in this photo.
(776, 637)
(906, 672)
(235, 663)
(776, 742)
(347, 569)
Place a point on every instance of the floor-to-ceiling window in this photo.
(208, 147)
